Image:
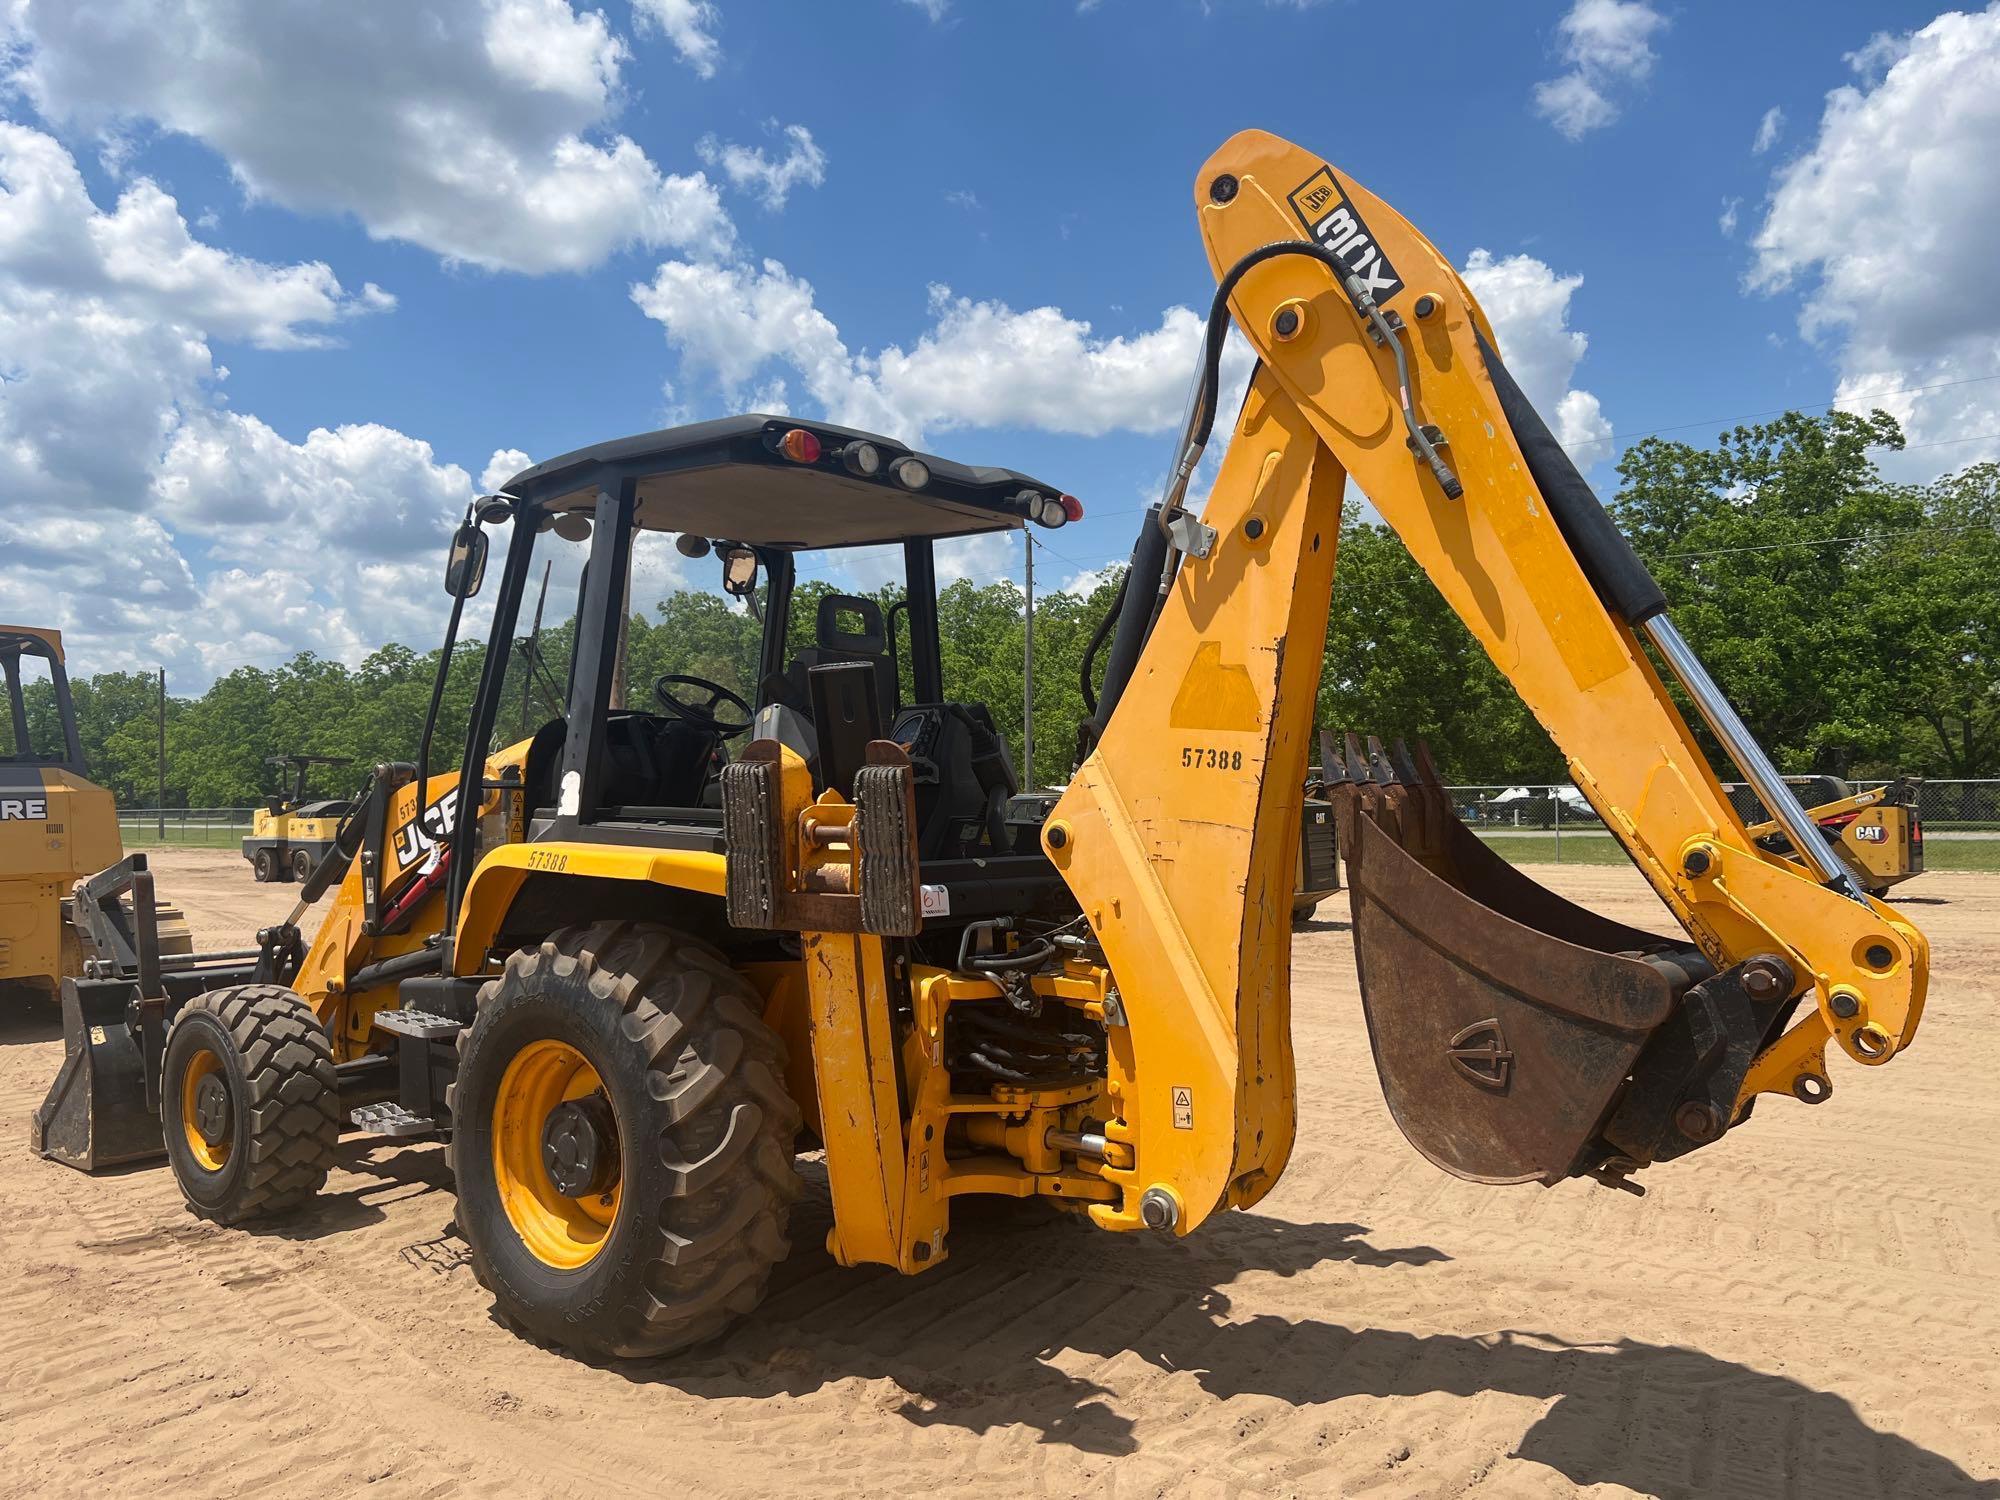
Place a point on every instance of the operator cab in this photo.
(39, 734)
(821, 632)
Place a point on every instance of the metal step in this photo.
(389, 1119)
(417, 1023)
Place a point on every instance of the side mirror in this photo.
(465, 569)
(739, 572)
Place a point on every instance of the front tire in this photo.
(622, 1141)
(264, 866)
(302, 865)
(249, 1102)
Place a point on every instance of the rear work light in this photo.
(800, 446)
(1050, 510)
(861, 458)
(911, 473)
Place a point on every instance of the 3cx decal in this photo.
(1330, 219)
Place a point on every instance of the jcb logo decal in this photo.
(24, 809)
(413, 839)
(1323, 208)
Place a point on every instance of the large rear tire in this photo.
(249, 1102)
(622, 1141)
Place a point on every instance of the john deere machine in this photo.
(292, 832)
(56, 825)
(629, 965)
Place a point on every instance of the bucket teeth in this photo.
(1332, 767)
(1378, 763)
(1426, 767)
(1357, 763)
(1406, 769)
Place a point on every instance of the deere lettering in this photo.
(24, 809)
(1333, 222)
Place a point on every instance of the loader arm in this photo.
(1518, 1038)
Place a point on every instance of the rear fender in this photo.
(503, 875)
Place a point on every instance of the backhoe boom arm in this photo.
(1376, 363)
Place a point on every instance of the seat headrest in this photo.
(870, 640)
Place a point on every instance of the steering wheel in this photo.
(701, 715)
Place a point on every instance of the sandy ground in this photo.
(1807, 1308)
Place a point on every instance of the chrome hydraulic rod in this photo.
(1771, 788)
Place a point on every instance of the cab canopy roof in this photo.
(737, 479)
(35, 640)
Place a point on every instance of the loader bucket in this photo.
(1505, 1021)
(96, 1113)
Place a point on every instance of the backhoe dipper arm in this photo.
(1518, 1038)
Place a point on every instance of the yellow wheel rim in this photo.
(559, 1231)
(202, 1065)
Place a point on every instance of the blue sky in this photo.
(450, 206)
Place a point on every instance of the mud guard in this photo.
(1506, 1022)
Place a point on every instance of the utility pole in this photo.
(531, 655)
(1028, 668)
(163, 755)
(618, 662)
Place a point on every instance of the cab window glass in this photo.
(31, 697)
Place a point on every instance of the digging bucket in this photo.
(1510, 1027)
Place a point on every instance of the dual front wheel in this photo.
(622, 1135)
(270, 865)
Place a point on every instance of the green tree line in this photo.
(1854, 621)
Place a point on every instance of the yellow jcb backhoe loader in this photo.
(56, 825)
(622, 982)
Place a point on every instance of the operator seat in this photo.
(847, 628)
(649, 761)
(964, 779)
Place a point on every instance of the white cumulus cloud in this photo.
(1528, 306)
(477, 129)
(1608, 45)
(1768, 130)
(771, 179)
(1884, 227)
(979, 363)
(141, 516)
(141, 259)
(689, 25)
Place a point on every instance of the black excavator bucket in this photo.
(1510, 1027)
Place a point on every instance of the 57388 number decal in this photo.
(1208, 758)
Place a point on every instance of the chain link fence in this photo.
(1528, 822)
(183, 827)
(1532, 822)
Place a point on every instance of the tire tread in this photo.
(292, 1102)
(713, 1070)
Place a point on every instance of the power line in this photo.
(1830, 541)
